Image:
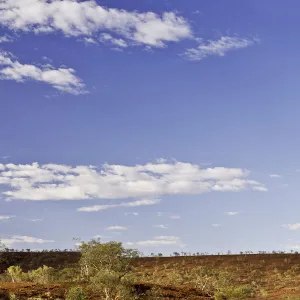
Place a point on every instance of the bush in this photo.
(76, 293)
(42, 275)
(15, 273)
(112, 286)
(68, 275)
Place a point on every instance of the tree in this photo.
(105, 265)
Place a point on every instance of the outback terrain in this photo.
(259, 276)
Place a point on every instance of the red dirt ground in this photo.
(260, 262)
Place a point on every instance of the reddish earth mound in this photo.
(29, 290)
(172, 292)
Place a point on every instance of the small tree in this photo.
(105, 265)
(15, 272)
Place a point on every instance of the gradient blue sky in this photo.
(138, 95)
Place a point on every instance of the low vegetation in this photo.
(111, 272)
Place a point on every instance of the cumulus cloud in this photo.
(113, 228)
(218, 47)
(295, 226)
(159, 241)
(161, 226)
(63, 79)
(18, 239)
(88, 19)
(61, 182)
(275, 176)
(142, 202)
(232, 213)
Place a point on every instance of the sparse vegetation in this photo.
(109, 271)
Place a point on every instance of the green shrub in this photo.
(68, 275)
(15, 273)
(110, 284)
(42, 275)
(76, 293)
(240, 292)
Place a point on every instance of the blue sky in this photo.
(167, 125)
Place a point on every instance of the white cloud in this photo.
(275, 176)
(62, 79)
(17, 239)
(102, 237)
(142, 202)
(87, 19)
(5, 218)
(6, 39)
(132, 214)
(160, 214)
(161, 226)
(174, 217)
(216, 225)
(60, 182)
(218, 47)
(108, 39)
(159, 241)
(295, 226)
(35, 220)
(89, 40)
(116, 228)
(232, 213)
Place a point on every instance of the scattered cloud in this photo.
(275, 176)
(89, 40)
(295, 247)
(295, 226)
(196, 12)
(132, 214)
(6, 39)
(159, 241)
(106, 38)
(113, 228)
(161, 226)
(232, 213)
(174, 217)
(218, 47)
(61, 182)
(35, 220)
(160, 214)
(63, 79)
(88, 19)
(5, 218)
(216, 225)
(18, 239)
(142, 202)
(102, 237)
